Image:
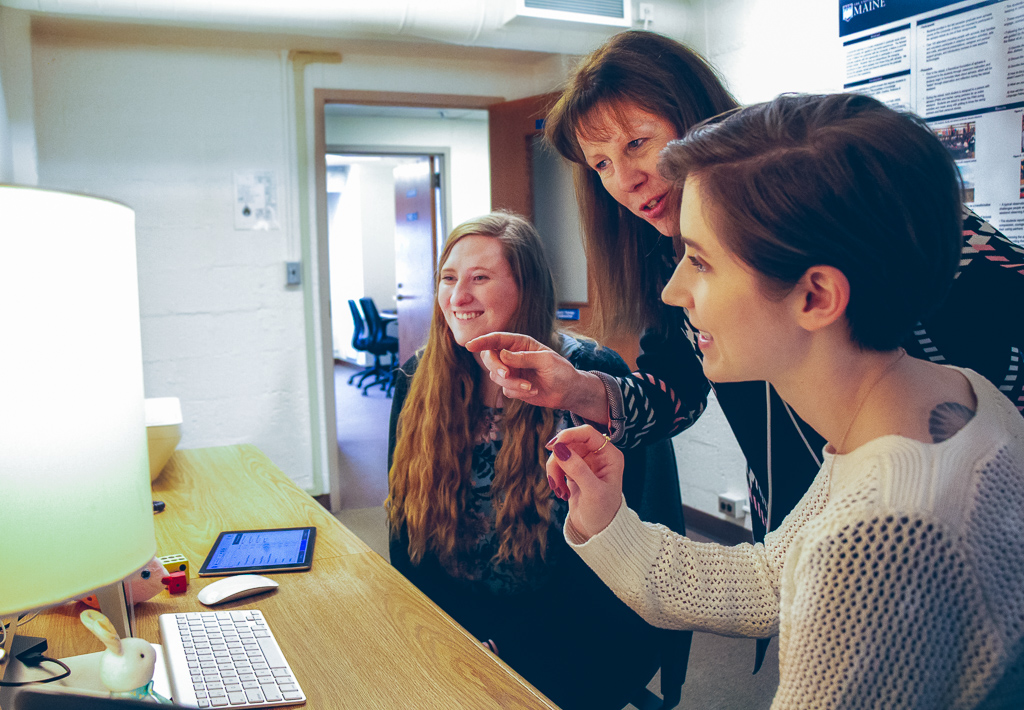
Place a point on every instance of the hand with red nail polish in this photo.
(557, 481)
(593, 475)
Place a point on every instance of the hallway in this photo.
(362, 441)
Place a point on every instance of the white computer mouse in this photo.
(235, 587)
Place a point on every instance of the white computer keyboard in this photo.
(226, 659)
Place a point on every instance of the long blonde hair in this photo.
(430, 477)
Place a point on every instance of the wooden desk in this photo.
(356, 632)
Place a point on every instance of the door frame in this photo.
(322, 363)
(443, 156)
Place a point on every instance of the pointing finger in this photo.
(500, 341)
(493, 363)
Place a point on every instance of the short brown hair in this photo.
(838, 180)
(664, 78)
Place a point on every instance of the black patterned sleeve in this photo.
(666, 394)
(979, 325)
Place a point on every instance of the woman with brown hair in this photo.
(621, 106)
(887, 582)
(474, 523)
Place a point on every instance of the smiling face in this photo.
(744, 334)
(622, 146)
(477, 292)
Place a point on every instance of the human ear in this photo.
(823, 295)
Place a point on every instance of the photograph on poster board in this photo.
(959, 64)
(958, 139)
(967, 179)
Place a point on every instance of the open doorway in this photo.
(375, 252)
(369, 230)
(493, 170)
(394, 180)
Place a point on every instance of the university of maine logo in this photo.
(859, 8)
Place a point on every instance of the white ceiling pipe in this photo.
(465, 22)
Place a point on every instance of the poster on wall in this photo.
(960, 66)
(256, 200)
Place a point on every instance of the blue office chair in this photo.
(380, 344)
(361, 342)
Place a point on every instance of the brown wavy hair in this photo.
(664, 78)
(430, 477)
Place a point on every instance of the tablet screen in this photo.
(255, 551)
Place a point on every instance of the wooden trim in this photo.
(316, 239)
(715, 528)
(401, 98)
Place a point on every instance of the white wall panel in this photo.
(163, 128)
(761, 49)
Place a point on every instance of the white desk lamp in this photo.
(75, 500)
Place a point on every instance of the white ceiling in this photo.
(472, 23)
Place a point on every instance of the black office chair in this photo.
(361, 342)
(380, 344)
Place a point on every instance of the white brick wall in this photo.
(163, 128)
(764, 48)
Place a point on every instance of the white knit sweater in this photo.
(896, 582)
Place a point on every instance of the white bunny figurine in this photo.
(126, 667)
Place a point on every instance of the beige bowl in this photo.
(163, 431)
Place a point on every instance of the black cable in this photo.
(35, 660)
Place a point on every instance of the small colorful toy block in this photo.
(175, 563)
(177, 582)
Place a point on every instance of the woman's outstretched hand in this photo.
(531, 371)
(587, 470)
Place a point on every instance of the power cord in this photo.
(34, 657)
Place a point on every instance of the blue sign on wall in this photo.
(860, 15)
(568, 314)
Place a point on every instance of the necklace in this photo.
(860, 405)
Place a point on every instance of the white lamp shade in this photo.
(75, 500)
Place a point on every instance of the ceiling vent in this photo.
(616, 13)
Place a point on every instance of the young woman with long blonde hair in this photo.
(473, 519)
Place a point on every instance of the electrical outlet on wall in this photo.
(731, 504)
